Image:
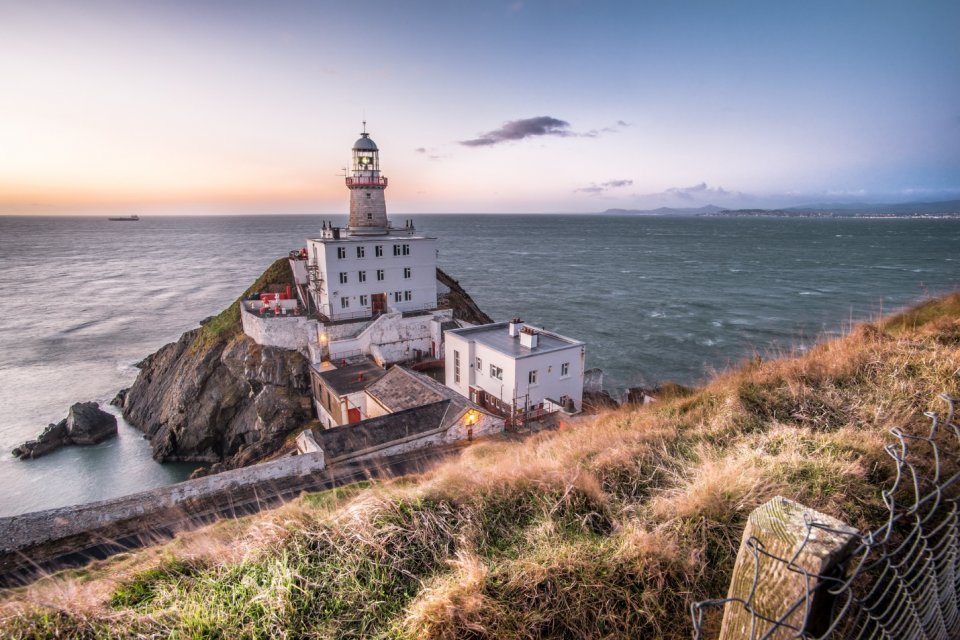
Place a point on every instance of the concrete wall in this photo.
(291, 332)
(391, 337)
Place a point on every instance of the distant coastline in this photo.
(946, 210)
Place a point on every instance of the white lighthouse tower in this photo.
(369, 268)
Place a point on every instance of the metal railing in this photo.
(901, 580)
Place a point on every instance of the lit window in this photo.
(361, 276)
(408, 296)
(564, 369)
(364, 301)
(343, 277)
(341, 253)
(344, 303)
(496, 372)
(360, 251)
(379, 274)
(406, 272)
(378, 251)
(456, 367)
(532, 377)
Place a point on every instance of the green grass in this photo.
(226, 325)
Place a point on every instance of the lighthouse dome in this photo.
(364, 143)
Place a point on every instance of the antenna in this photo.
(343, 172)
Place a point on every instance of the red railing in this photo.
(367, 181)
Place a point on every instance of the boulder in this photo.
(87, 424)
(53, 437)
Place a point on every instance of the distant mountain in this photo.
(664, 211)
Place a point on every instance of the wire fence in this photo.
(900, 581)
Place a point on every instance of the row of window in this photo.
(398, 250)
(381, 275)
(497, 372)
(398, 296)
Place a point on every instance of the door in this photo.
(353, 415)
(379, 302)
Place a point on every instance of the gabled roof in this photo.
(400, 389)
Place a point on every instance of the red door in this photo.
(379, 302)
(353, 415)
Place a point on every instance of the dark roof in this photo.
(400, 389)
(364, 143)
(352, 438)
(351, 378)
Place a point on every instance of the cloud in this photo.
(520, 129)
(595, 188)
(697, 191)
(421, 150)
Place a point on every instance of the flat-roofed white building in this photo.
(513, 367)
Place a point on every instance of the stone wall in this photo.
(290, 332)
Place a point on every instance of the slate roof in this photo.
(400, 389)
(381, 430)
(351, 378)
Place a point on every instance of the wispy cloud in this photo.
(421, 149)
(595, 188)
(520, 129)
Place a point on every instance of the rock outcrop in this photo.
(226, 402)
(464, 308)
(85, 424)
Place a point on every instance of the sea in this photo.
(656, 299)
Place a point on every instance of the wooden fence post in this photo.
(770, 587)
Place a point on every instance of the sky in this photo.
(226, 107)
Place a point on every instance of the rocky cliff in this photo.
(217, 397)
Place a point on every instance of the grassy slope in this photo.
(226, 325)
(610, 528)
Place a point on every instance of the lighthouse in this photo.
(368, 208)
(368, 268)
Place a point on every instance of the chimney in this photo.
(515, 325)
(529, 337)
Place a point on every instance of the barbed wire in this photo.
(898, 581)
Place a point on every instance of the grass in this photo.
(608, 529)
(226, 325)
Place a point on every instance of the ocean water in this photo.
(655, 299)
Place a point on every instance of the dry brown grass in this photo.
(609, 528)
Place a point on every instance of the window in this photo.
(396, 249)
(360, 251)
(379, 274)
(407, 296)
(406, 272)
(343, 277)
(456, 367)
(564, 369)
(361, 276)
(378, 251)
(479, 365)
(364, 301)
(406, 249)
(397, 296)
(341, 253)
(344, 303)
(532, 377)
(496, 372)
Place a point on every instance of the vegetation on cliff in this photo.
(226, 325)
(608, 528)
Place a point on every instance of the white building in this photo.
(368, 267)
(514, 368)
